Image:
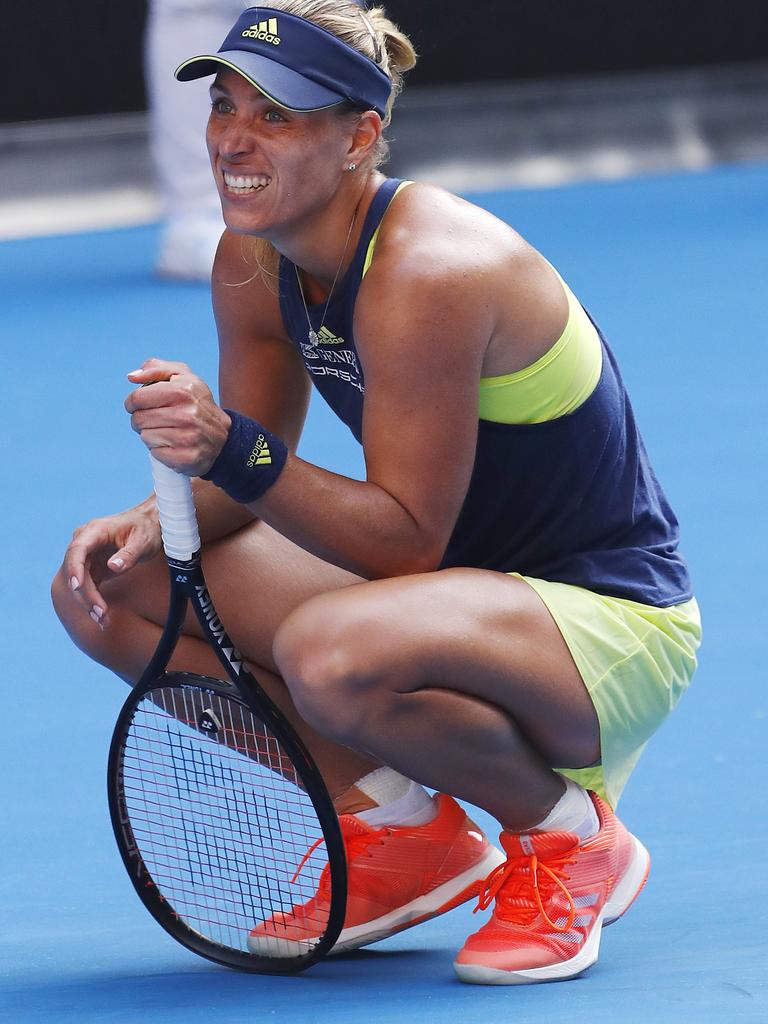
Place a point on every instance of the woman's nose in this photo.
(236, 139)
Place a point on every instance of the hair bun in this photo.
(401, 55)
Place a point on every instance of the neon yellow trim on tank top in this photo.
(556, 384)
(375, 237)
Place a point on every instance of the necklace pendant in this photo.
(313, 339)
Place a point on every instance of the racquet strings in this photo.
(220, 817)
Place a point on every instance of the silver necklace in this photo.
(312, 338)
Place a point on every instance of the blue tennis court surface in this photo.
(674, 270)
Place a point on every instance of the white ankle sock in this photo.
(400, 801)
(574, 812)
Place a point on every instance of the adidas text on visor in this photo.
(295, 63)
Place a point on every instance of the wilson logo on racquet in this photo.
(218, 632)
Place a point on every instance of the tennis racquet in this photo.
(219, 812)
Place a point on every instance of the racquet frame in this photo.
(188, 587)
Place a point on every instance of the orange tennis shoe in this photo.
(552, 898)
(398, 876)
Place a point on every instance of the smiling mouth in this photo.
(244, 185)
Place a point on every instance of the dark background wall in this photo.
(79, 57)
(70, 57)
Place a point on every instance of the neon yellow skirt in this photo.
(635, 660)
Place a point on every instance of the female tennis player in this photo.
(499, 610)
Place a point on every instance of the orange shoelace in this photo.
(355, 844)
(306, 857)
(521, 899)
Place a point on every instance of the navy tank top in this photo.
(572, 500)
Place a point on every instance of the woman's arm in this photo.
(422, 357)
(451, 294)
(424, 319)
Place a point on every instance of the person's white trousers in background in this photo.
(178, 112)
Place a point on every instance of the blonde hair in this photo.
(370, 32)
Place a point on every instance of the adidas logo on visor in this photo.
(266, 31)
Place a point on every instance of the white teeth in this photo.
(255, 181)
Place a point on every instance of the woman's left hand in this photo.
(177, 418)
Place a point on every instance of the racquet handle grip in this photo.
(176, 508)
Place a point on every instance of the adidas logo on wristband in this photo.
(260, 456)
(248, 445)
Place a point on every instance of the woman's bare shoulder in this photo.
(428, 230)
(461, 255)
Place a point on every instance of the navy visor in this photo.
(295, 63)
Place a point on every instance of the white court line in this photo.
(70, 214)
(601, 163)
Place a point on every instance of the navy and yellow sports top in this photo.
(567, 496)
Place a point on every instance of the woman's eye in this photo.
(221, 106)
(274, 116)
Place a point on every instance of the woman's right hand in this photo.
(109, 547)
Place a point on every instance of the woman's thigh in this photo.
(256, 577)
(481, 633)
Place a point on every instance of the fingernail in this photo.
(96, 619)
(74, 583)
(132, 373)
(118, 563)
(98, 612)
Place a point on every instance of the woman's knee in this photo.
(65, 603)
(83, 632)
(90, 638)
(325, 665)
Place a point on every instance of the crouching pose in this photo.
(499, 610)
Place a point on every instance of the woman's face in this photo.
(273, 168)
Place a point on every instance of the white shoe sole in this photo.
(421, 909)
(629, 888)
(623, 896)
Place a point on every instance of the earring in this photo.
(352, 167)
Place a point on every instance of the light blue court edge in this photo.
(673, 268)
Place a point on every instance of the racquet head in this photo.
(224, 825)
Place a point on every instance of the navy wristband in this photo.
(250, 461)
